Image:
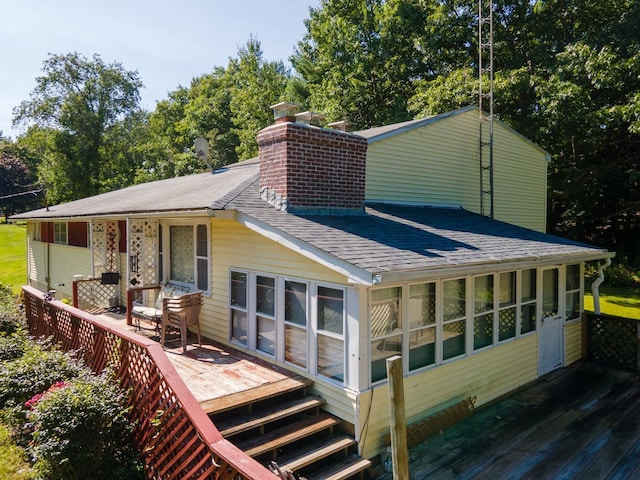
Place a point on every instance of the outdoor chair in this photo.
(145, 303)
(181, 313)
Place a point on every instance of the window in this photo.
(482, 311)
(330, 328)
(188, 255)
(279, 317)
(295, 323)
(422, 325)
(528, 299)
(572, 289)
(386, 329)
(550, 304)
(507, 306)
(238, 303)
(35, 231)
(454, 318)
(60, 233)
(266, 314)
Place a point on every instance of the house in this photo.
(333, 251)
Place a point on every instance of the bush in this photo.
(618, 274)
(11, 316)
(36, 370)
(81, 430)
(14, 345)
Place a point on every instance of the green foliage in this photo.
(13, 465)
(360, 58)
(81, 430)
(16, 181)
(35, 371)
(13, 345)
(76, 102)
(11, 316)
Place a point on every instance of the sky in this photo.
(169, 42)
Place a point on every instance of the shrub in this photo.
(81, 430)
(37, 369)
(14, 345)
(11, 316)
(619, 274)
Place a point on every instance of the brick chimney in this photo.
(307, 169)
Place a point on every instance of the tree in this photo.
(78, 101)
(18, 188)
(360, 58)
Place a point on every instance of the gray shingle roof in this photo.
(393, 238)
(182, 194)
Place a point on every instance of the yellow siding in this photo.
(486, 375)
(235, 246)
(572, 342)
(36, 264)
(439, 164)
(69, 261)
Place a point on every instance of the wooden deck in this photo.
(582, 422)
(218, 376)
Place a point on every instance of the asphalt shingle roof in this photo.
(391, 238)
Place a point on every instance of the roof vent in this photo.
(342, 125)
(310, 118)
(285, 112)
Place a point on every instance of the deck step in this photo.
(350, 466)
(238, 424)
(247, 397)
(315, 452)
(281, 437)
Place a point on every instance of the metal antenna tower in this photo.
(485, 100)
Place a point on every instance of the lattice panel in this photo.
(507, 323)
(93, 294)
(420, 431)
(613, 341)
(143, 252)
(105, 236)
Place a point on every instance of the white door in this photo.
(550, 335)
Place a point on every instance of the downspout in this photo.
(595, 286)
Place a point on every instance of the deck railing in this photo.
(613, 341)
(172, 432)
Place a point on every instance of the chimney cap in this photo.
(310, 118)
(342, 125)
(284, 110)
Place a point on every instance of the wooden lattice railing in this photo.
(176, 438)
(91, 294)
(613, 341)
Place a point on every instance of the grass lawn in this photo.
(617, 301)
(12, 462)
(13, 257)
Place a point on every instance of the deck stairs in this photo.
(282, 422)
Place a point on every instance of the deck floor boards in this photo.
(581, 422)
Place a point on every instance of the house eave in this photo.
(456, 270)
(114, 215)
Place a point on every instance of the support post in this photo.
(398, 426)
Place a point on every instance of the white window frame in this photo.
(165, 255)
(60, 235)
(574, 291)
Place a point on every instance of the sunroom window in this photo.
(482, 311)
(266, 314)
(295, 323)
(386, 329)
(507, 308)
(573, 292)
(528, 300)
(330, 326)
(238, 304)
(422, 325)
(453, 316)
